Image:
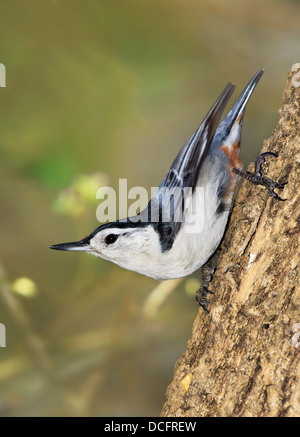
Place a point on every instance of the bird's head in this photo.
(130, 245)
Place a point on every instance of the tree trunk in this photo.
(243, 357)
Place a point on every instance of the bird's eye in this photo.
(111, 238)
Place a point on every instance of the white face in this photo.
(130, 248)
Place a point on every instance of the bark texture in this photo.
(243, 357)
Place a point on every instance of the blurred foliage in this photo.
(25, 287)
(110, 89)
(76, 199)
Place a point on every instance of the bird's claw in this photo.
(201, 297)
(258, 179)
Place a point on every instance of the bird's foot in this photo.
(201, 297)
(258, 179)
(207, 271)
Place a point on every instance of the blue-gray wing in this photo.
(166, 208)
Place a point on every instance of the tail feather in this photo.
(237, 112)
(228, 135)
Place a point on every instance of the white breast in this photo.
(191, 249)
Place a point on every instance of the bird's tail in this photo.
(238, 109)
(228, 135)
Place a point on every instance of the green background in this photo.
(114, 87)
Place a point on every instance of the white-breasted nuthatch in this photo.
(161, 248)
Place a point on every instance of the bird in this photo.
(184, 222)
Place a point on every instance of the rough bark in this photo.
(243, 357)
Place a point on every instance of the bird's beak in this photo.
(76, 245)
